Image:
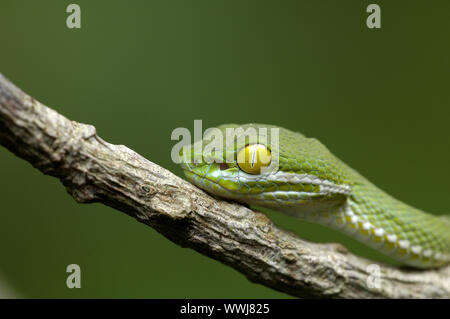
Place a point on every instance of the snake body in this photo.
(312, 184)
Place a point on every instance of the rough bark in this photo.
(93, 170)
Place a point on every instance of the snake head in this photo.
(267, 166)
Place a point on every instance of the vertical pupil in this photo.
(254, 151)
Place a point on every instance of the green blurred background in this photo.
(379, 99)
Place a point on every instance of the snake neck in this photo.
(402, 232)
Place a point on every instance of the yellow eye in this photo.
(253, 157)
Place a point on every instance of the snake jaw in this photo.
(304, 192)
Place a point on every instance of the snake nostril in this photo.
(223, 166)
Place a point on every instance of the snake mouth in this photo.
(297, 203)
(280, 188)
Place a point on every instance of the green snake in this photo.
(310, 183)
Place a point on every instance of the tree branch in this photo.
(93, 170)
